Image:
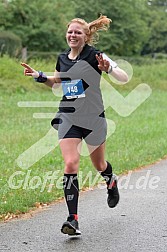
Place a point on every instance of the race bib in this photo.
(73, 89)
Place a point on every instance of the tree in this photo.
(158, 3)
(129, 29)
(41, 25)
(157, 10)
(138, 26)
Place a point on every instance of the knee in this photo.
(71, 166)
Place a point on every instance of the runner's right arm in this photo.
(47, 80)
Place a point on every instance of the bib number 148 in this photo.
(72, 89)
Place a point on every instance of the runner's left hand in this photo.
(103, 64)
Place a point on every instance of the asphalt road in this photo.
(138, 223)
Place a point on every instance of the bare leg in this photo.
(98, 157)
(71, 155)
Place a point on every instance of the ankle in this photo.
(73, 216)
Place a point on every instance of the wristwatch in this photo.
(109, 70)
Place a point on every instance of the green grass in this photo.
(139, 139)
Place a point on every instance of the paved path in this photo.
(138, 223)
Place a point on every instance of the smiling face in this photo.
(76, 36)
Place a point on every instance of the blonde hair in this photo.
(91, 29)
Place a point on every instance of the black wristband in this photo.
(41, 78)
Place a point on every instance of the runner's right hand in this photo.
(29, 71)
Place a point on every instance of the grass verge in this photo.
(139, 139)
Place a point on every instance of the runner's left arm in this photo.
(109, 66)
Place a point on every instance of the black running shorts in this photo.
(92, 128)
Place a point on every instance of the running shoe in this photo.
(113, 193)
(71, 226)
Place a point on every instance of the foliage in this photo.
(162, 3)
(158, 29)
(12, 79)
(128, 29)
(138, 26)
(41, 25)
(9, 44)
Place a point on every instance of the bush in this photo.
(160, 56)
(12, 79)
(10, 44)
(148, 59)
(34, 55)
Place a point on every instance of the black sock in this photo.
(71, 192)
(107, 174)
